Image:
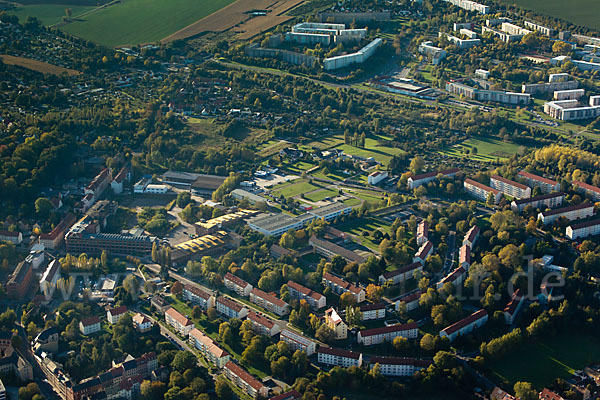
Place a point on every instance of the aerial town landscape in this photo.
(300, 199)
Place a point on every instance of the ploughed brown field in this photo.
(38, 66)
(237, 15)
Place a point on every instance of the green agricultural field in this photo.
(543, 361)
(141, 21)
(488, 149)
(580, 12)
(382, 154)
(48, 14)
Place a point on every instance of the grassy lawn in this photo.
(352, 202)
(332, 175)
(48, 14)
(379, 152)
(581, 12)
(326, 142)
(542, 362)
(488, 149)
(372, 197)
(357, 227)
(298, 167)
(294, 189)
(141, 21)
(320, 195)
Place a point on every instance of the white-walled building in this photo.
(297, 341)
(410, 301)
(424, 251)
(571, 213)
(510, 188)
(572, 94)
(269, 302)
(545, 184)
(583, 229)
(359, 57)
(141, 323)
(456, 277)
(540, 28)
(401, 274)
(195, 295)
(237, 284)
(339, 286)
(179, 322)
(115, 314)
(481, 191)
(338, 357)
(336, 323)
(263, 325)
(398, 366)
(209, 348)
(466, 325)
(314, 299)
(90, 325)
(434, 53)
(592, 191)
(512, 308)
(371, 312)
(50, 278)
(471, 236)
(370, 337)
(571, 110)
(415, 181)
(422, 232)
(242, 379)
(375, 177)
(549, 200)
(231, 308)
(471, 6)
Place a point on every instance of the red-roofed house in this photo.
(465, 325)
(372, 311)
(456, 277)
(532, 180)
(90, 325)
(339, 286)
(338, 357)
(471, 236)
(424, 251)
(547, 394)
(195, 295)
(115, 314)
(15, 238)
(123, 176)
(510, 188)
(410, 301)
(263, 325)
(464, 257)
(53, 239)
(422, 232)
(592, 191)
(297, 291)
(418, 180)
(400, 275)
(142, 323)
(398, 366)
(481, 191)
(209, 348)
(231, 308)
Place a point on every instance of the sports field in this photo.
(48, 14)
(488, 149)
(141, 21)
(580, 12)
(543, 361)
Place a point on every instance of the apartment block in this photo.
(510, 188)
(424, 251)
(410, 301)
(371, 312)
(481, 191)
(398, 366)
(297, 341)
(422, 232)
(339, 286)
(263, 325)
(456, 277)
(336, 324)
(592, 191)
(402, 274)
(549, 200)
(231, 308)
(545, 184)
(471, 6)
(209, 348)
(466, 325)
(583, 229)
(197, 296)
(314, 299)
(338, 357)
(237, 284)
(471, 236)
(571, 213)
(422, 179)
(269, 302)
(242, 379)
(370, 337)
(330, 250)
(179, 322)
(512, 308)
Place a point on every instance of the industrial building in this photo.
(202, 246)
(224, 221)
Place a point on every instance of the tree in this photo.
(153, 390)
(104, 260)
(325, 334)
(196, 312)
(347, 299)
(177, 288)
(29, 391)
(183, 199)
(427, 342)
(183, 360)
(374, 292)
(416, 165)
(560, 47)
(491, 199)
(525, 391)
(401, 344)
(43, 206)
(68, 13)
(222, 389)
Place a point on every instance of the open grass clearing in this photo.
(48, 14)
(488, 149)
(382, 153)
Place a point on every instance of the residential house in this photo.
(510, 188)
(209, 348)
(410, 301)
(336, 324)
(159, 303)
(314, 299)
(263, 325)
(549, 200)
(422, 232)
(339, 286)
(583, 229)
(471, 236)
(195, 295)
(456, 277)
(231, 308)
(90, 325)
(424, 251)
(464, 257)
(421, 179)
(297, 341)
(400, 275)
(370, 312)
(46, 340)
(115, 314)
(242, 379)
(571, 213)
(592, 191)
(481, 191)
(142, 323)
(269, 302)
(15, 238)
(512, 308)
(398, 366)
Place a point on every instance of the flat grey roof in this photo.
(328, 209)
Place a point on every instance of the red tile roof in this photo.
(411, 297)
(229, 303)
(118, 310)
(477, 315)
(339, 352)
(243, 375)
(585, 186)
(434, 173)
(236, 280)
(424, 249)
(464, 254)
(90, 321)
(538, 178)
(304, 290)
(399, 361)
(547, 394)
(371, 307)
(269, 298)
(197, 291)
(486, 188)
(406, 268)
(177, 316)
(454, 275)
(509, 182)
(512, 305)
(342, 283)
(389, 329)
(291, 395)
(472, 233)
(261, 320)
(567, 209)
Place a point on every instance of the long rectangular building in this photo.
(297, 341)
(481, 191)
(314, 299)
(545, 184)
(398, 366)
(339, 286)
(209, 348)
(242, 379)
(592, 191)
(330, 250)
(421, 179)
(269, 302)
(370, 337)
(550, 200)
(465, 325)
(571, 213)
(401, 274)
(583, 229)
(510, 188)
(338, 357)
(471, 6)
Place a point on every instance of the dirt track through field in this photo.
(238, 16)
